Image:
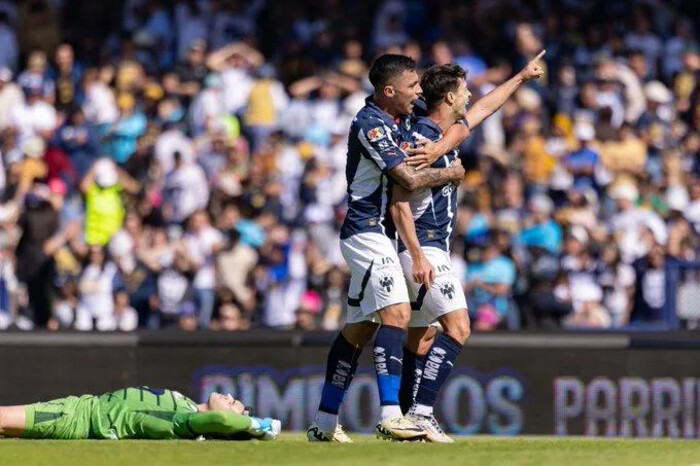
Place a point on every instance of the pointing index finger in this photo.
(540, 55)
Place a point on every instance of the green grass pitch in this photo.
(294, 449)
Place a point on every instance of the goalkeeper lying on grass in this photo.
(135, 413)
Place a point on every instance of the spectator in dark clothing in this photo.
(67, 76)
(77, 138)
(39, 240)
(650, 288)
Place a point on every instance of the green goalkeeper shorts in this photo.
(61, 419)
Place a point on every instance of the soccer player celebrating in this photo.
(378, 292)
(425, 221)
(135, 413)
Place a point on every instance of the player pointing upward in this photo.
(425, 220)
(378, 290)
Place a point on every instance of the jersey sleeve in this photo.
(379, 144)
(215, 423)
(145, 426)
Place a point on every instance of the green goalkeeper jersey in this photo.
(142, 412)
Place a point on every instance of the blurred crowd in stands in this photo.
(182, 163)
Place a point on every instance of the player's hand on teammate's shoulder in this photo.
(424, 154)
(534, 69)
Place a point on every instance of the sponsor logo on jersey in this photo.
(405, 145)
(383, 144)
(375, 134)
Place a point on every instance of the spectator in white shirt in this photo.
(126, 319)
(96, 308)
(186, 190)
(627, 224)
(203, 241)
(11, 97)
(169, 142)
(234, 63)
(36, 116)
(207, 108)
(100, 105)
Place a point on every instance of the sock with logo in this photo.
(341, 367)
(437, 366)
(410, 378)
(388, 355)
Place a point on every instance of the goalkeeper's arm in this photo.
(212, 423)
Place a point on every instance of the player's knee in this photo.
(358, 334)
(396, 315)
(458, 326)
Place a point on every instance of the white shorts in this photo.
(445, 295)
(376, 279)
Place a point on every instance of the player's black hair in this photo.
(388, 66)
(438, 80)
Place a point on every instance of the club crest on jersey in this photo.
(375, 134)
(447, 290)
(387, 283)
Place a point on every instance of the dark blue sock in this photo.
(437, 366)
(342, 364)
(410, 379)
(388, 355)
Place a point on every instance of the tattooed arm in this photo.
(411, 179)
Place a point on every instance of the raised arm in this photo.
(87, 180)
(402, 216)
(425, 154)
(216, 61)
(491, 102)
(303, 87)
(129, 184)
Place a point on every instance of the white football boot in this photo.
(429, 424)
(399, 429)
(315, 434)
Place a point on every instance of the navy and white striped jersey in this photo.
(373, 151)
(434, 209)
